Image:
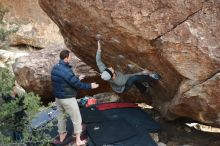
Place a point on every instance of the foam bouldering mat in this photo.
(140, 120)
(53, 131)
(136, 117)
(110, 132)
(44, 117)
(138, 140)
(113, 105)
(92, 115)
(68, 139)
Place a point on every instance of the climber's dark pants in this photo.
(137, 81)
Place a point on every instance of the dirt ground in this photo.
(176, 133)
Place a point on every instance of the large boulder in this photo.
(8, 57)
(178, 39)
(193, 48)
(34, 28)
(32, 72)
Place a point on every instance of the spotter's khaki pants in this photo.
(70, 106)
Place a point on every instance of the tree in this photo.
(17, 113)
(7, 81)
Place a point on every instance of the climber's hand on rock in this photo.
(94, 85)
(146, 71)
(81, 77)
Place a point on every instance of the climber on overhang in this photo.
(120, 82)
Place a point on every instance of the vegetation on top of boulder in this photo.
(4, 31)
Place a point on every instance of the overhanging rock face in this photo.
(33, 73)
(178, 39)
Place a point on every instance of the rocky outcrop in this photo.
(178, 39)
(28, 28)
(193, 47)
(8, 56)
(35, 29)
(32, 72)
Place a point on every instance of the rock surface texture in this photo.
(32, 72)
(178, 39)
(34, 28)
(29, 27)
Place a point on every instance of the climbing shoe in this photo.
(155, 76)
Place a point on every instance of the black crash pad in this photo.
(110, 132)
(136, 117)
(92, 115)
(138, 140)
(140, 120)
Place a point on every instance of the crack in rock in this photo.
(177, 24)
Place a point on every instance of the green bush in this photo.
(7, 81)
(28, 104)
